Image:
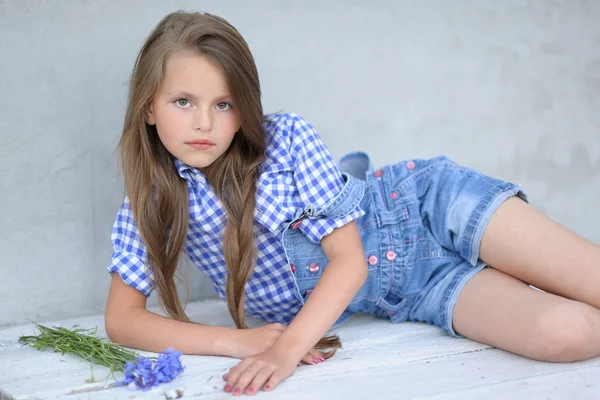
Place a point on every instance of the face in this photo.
(193, 110)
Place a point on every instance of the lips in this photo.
(200, 144)
(208, 142)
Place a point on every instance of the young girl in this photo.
(290, 237)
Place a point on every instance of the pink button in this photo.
(378, 173)
(372, 260)
(293, 268)
(410, 165)
(297, 225)
(454, 164)
(390, 255)
(390, 313)
(313, 268)
(394, 195)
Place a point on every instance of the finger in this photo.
(235, 372)
(274, 380)
(244, 380)
(259, 380)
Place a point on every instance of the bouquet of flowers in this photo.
(140, 372)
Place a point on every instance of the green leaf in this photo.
(83, 343)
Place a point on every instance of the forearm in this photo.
(142, 329)
(340, 281)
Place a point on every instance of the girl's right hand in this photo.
(252, 341)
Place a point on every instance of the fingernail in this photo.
(250, 390)
(227, 388)
(237, 391)
(299, 364)
(267, 387)
(322, 358)
(316, 360)
(225, 377)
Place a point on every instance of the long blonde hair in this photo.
(159, 196)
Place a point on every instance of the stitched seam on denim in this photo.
(289, 253)
(475, 219)
(367, 224)
(419, 174)
(359, 299)
(372, 194)
(353, 204)
(400, 305)
(389, 243)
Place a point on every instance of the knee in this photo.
(565, 333)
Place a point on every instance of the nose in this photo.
(202, 120)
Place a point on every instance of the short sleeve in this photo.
(129, 252)
(318, 179)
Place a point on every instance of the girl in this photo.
(287, 236)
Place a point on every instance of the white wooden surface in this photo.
(379, 360)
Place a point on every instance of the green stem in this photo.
(83, 343)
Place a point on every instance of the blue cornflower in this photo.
(168, 366)
(145, 373)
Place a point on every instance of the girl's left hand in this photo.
(262, 371)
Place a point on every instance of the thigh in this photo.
(497, 309)
(524, 243)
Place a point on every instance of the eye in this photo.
(223, 106)
(183, 103)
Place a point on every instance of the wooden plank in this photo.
(577, 384)
(379, 360)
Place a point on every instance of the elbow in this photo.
(113, 326)
(364, 272)
(361, 271)
(110, 327)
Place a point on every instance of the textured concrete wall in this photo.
(510, 88)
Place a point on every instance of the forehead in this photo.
(193, 72)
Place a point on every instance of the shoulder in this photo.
(285, 134)
(292, 131)
(287, 125)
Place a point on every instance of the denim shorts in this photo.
(421, 234)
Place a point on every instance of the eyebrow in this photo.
(183, 93)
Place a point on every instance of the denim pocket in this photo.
(423, 256)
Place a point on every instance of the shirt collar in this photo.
(188, 173)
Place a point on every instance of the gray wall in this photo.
(508, 87)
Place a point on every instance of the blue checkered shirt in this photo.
(298, 171)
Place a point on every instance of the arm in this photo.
(346, 272)
(128, 323)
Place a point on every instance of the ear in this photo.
(150, 120)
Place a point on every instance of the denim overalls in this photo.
(421, 233)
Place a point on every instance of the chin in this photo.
(200, 165)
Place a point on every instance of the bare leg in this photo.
(499, 310)
(496, 308)
(524, 243)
